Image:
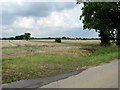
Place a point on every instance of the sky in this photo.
(43, 19)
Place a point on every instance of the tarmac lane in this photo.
(102, 76)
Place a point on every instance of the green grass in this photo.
(81, 44)
(51, 63)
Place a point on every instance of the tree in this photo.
(58, 40)
(77, 38)
(17, 37)
(63, 37)
(68, 37)
(27, 36)
(114, 16)
(11, 38)
(100, 16)
(22, 37)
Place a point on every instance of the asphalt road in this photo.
(102, 76)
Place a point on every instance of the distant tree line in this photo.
(26, 36)
(22, 37)
(69, 38)
(77, 38)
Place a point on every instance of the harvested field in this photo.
(36, 59)
(11, 48)
(14, 43)
(72, 41)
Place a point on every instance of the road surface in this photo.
(102, 76)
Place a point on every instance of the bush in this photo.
(58, 40)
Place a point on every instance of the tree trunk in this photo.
(105, 38)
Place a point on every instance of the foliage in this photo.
(58, 40)
(63, 37)
(19, 37)
(103, 17)
(27, 36)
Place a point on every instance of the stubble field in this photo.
(23, 59)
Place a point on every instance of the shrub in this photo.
(58, 40)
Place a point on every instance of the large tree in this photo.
(27, 36)
(104, 18)
(114, 16)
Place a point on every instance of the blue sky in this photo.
(43, 19)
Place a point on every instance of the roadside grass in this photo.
(40, 65)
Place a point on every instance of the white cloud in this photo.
(65, 19)
(65, 22)
(19, 2)
(55, 22)
(25, 22)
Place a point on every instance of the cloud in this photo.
(9, 30)
(64, 19)
(4, 27)
(34, 9)
(25, 22)
(44, 20)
